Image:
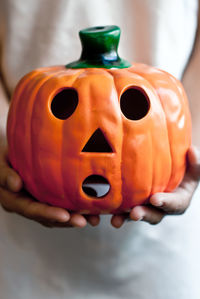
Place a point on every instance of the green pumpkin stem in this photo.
(99, 49)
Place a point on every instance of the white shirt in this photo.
(138, 260)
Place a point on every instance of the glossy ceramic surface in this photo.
(144, 154)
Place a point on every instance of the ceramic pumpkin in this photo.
(99, 135)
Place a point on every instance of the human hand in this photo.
(163, 203)
(14, 199)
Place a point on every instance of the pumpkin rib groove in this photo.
(39, 73)
(168, 141)
(173, 82)
(122, 161)
(76, 77)
(98, 71)
(170, 145)
(94, 100)
(19, 110)
(131, 71)
(176, 85)
(143, 75)
(153, 174)
(167, 130)
(35, 169)
(60, 75)
(14, 108)
(122, 134)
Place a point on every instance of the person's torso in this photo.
(138, 260)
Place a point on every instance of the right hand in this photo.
(14, 199)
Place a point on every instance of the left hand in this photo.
(163, 203)
(14, 199)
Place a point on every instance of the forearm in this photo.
(191, 82)
(4, 106)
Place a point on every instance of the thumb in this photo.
(193, 157)
(9, 179)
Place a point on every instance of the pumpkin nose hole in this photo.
(96, 186)
(97, 143)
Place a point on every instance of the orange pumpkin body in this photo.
(147, 155)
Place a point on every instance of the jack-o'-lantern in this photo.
(99, 135)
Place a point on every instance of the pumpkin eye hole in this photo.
(134, 103)
(64, 103)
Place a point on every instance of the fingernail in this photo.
(64, 218)
(158, 203)
(135, 219)
(196, 159)
(11, 182)
(196, 150)
(81, 224)
(140, 218)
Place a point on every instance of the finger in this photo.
(77, 220)
(118, 220)
(9, 179)
(55, 224)
(172, 203)
(93, 220)
(177, 202)
(193, 155)
(28, 208)
(46, 224)
(37, 211)
(147, 214)
(194, 162)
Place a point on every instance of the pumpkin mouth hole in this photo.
(96, 186)
(97, 144)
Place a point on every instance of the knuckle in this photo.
(156, 220)
(182, 211)
(26, 211)
(177, 207)
(177, 210)
(181, 207)
(45, 224)
(3, 176)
